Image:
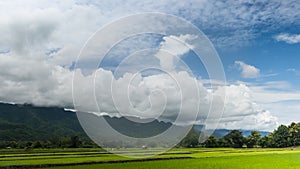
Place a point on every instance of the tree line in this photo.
(283, 136)
(55, 142)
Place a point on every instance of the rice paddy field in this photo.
(193, 158)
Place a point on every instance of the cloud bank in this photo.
(150, 96)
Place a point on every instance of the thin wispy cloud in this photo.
(293, 70)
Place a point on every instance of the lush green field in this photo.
(268, 161)
(217, 158)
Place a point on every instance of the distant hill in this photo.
(222, 132)
(137, 130)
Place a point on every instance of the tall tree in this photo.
(294, 134)
(235, 139)
(252, 139)
(75, 142)
(211, 142)
(281, 136)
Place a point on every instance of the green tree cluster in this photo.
(283, 136)
(55, 142)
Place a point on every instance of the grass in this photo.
(217, 158)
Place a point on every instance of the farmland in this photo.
(213, 158)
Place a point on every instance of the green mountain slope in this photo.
(30, 123)
(27, 122)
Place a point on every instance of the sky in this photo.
(257, 42)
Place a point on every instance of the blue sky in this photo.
(257, 41)
(276, 60)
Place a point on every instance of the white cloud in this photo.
(156, 95)
(263, 120)
(248, 71)
(173, 47)
(271, 92)
(283, 103)
(287, 111)
(288, 38)
(36, 82)
(146, 97)
(241, 111)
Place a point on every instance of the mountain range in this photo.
(29, 123)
